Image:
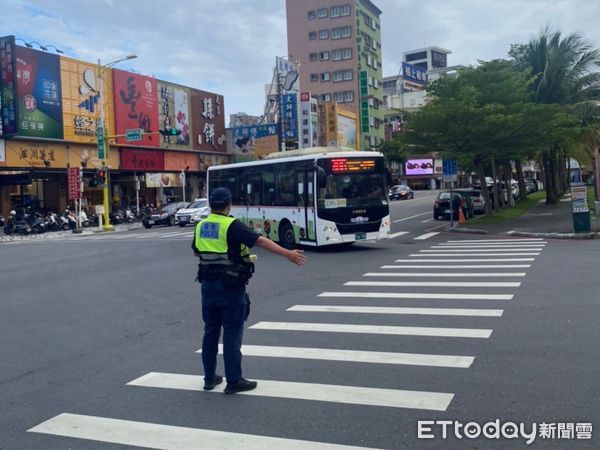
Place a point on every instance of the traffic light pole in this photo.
(106, 225)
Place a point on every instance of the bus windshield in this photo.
(352, 190)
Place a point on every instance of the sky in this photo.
(229, 46)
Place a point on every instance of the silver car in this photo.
(196, 211)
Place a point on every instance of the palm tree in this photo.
(562, 71)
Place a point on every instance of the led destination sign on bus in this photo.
(352, 165)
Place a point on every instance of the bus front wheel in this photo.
(287, 239)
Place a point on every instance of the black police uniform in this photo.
(225, 306)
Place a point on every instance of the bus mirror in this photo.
(321, 178)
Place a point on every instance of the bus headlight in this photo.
(330, 228)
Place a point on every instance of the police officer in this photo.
(221, 242)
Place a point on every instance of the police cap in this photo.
(220, 198)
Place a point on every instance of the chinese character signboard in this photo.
(8, 92)
(81, 100)
(174, 113)
(136, 106)
(438, 60)
(178, 161)
(414, 74)
(39, 94)
(306, 121)
(289, 116)
(142, 160)
(35, 154)
(254, 141)
(208, 121)
(74, 183)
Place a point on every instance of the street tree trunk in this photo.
(508, 180)
(478, 163)
(521, 180)
(497, 195)
(550, 178)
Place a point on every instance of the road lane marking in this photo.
(145, 235)
(468, 284)
(472, 254)
(494, 244)
(448, 275)
(427, 221)
(356, 356)
(399, 233)
(435, 401)
(488, 247)
(374, 329)
(499, 240)
(169, 437)
(398, 310)
(417, 295)
(446, 250)
(464, 260)
(464, 266)
(426, 236)
(411, 217)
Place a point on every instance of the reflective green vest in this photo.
(211, 241)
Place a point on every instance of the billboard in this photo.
(39, 94)
(346, 131)
(289, 116)
(35, 154)
(438, 60)
(8, 87)
(81, 100)
(178, 161)
(136, 106)
(419, 167)
(174, 113)
(254, 141)
(157, 180)
(142, 160)
(414, 74)
(208, 121)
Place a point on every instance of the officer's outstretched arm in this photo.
(294, 256)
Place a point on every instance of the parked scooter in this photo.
(71, 220)
(85, 222)
(129, 216)
(116, 217)
(54, 222)
(16, 226)
(37, 223)
(1, 221)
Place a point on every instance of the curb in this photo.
(468, 230)
(577, 236)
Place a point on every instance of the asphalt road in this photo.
(98, 341)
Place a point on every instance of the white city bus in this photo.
(317, 196)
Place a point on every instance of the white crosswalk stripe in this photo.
(460, 267)
(356, 356)
(446, 275)
(435, 401)
(417, 295)
(399, 310)
(469, 284)
(426, 236)
(497, 240)
(399, 233)
(166, 437)
(479, 250)
(472, 254)
(465, 260)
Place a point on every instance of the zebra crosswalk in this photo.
(332, 319)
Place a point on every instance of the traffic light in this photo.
(170, 132)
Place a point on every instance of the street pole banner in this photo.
(74, 183)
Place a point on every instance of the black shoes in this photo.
(241, 385)
(209, 384)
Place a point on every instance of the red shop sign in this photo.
(74, 183)
(142, 160)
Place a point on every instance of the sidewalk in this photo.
(540, 221)
(64, 234)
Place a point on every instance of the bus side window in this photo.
(269, 188)
(286, 188)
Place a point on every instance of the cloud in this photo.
(229, 46)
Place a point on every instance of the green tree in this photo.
(561, 71)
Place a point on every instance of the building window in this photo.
(325, 76)
(341, 32)
(342, 53)
(348, 75)
(415, 56)
(347, 53)
(344, 97)
(324, 56)
(345, 10)
(312, 35)
(322, 13)
(338, 75)
(312, 15)
(313, 56)
(314, 77)
(326, 97)
(324, 34)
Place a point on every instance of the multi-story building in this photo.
(339, 45)
(428, 58)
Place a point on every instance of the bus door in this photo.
(306, 205)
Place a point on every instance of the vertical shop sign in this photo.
(289, 110)
(8, 95)
(74, 183)
(208, 122)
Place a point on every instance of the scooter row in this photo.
(36, 223)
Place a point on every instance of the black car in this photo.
(164, 216)
(442, 209)
(401, 192)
